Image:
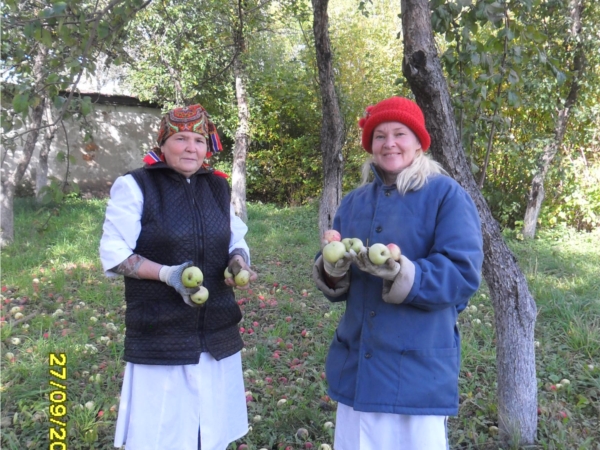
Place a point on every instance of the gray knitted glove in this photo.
(396, 291)
(341, 287)
(387, 271)
(340, 268)
(171, 275)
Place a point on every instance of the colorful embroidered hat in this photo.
(394, 109)
(192, 118)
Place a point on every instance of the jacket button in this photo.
(378, 229)
(388, 193)
(367, 355)
(372, 313)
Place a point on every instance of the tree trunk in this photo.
(536, 193)
(514, 306)
(332, 124)
(11, 180)
(242, 135)
(41, 174)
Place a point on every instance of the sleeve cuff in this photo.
(240, 252)
(397, 290)
(318, 273)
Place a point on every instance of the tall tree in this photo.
(514, 307)
(332, 124)
(11, 179)
(242, 134)
(537, 192)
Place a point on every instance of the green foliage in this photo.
(509, 67)
(59, 270)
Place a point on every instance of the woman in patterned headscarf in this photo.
(183, 386)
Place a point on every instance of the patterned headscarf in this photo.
(189, 118)
(192, 118)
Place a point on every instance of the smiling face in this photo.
(394, 147)
(185, 152)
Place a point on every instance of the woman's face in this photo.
(394, 147)
(185, 152)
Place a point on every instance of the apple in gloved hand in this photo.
(242, 278)
(395, 251)
(353, 244)
(200, 296)
(379, 254)
(192, 277)
(334, 251)
(331, 236)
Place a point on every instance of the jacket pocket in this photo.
(335, 364)
(429, 378)
(141, 317)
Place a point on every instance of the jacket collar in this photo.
(164, 166)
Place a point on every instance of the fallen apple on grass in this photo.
(192, 277)
(379, 254)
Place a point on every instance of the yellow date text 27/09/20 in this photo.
(57, 371)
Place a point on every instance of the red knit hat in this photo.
(394, 109)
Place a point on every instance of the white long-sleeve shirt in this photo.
(122, 225)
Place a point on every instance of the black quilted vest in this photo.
(181, 222)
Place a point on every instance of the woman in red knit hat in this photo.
(394, 361)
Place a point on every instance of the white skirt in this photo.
(162, 407)
(355, 430)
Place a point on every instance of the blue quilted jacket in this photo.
(405, 358)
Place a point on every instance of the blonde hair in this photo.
(411, 178)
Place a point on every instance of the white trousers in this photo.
(355, 430)
(162, 407)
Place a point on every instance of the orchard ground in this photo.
(55, 298)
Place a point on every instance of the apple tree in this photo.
(332, 123)
(514, 306)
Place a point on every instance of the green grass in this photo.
(287, 328)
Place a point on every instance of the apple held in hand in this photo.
(395, 251)
(353, 244)
(331, 236)
(200, 297)
(227, 273)
(242, 278)
(192, 277)
(334, 251)
(379, 254)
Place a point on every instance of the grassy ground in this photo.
(55, 299)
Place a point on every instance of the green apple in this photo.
(353, 244)
(334, 251)
(192, 277)
(379, 254)
(227, 273)
(200, 297)
(356, 244)
(242, 278)
(347, 243)
(395, 251)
